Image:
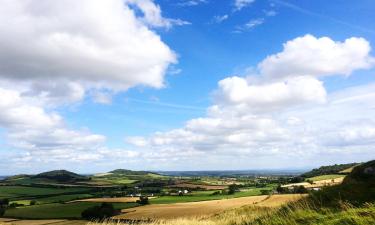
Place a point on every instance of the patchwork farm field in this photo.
(6, 221)
(204, 208)
(23, 191)
(57, 210)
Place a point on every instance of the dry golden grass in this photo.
(237, 216)
(204, 208)
(278, 200)
(191, 209)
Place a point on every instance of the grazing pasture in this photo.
(57, 210)
(22, 191)
(206, 196)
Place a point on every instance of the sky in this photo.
(95, 85)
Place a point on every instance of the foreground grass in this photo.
(291, 214)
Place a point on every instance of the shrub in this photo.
(2, 211)
(105, 210)
(32, 202)
(232, 189)
(143, 200)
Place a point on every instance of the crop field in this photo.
(205, 208)
(206, 195)
(57, 210)
(326, 177)
(20, 191)
(192, 209)
(111, 200)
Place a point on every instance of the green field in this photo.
(326, 177)
(21, 191)
(59, 198)
(57, 210)
(205, 196)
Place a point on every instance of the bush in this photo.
(143, 200)
(105, 210)
(2, 211)
(14, 205)
(265, 192)
(232, 189)
(32, 202)
(4, 202)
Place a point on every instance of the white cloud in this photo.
(268, 96)
(191, 2)
(31, 128)
(239, 4)
(102, 97)
(318, 57)
(249, 25)
(97, 44)
(220, 19)
(278, 120)
(54, 52)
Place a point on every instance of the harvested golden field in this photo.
(318, 184)
(199, 209)
(111, 200)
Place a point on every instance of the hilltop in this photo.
(61, 176)
(129, 172)
(332, 169)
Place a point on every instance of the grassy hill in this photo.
(327, 170)
(61, 176)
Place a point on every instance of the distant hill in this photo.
(61, 176)
(130, 172)
(326, 170)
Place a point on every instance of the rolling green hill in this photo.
(326, 170)
(61, 176)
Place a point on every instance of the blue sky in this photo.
(198, 43)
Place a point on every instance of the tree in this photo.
(232, 189)
(3, 205)
(143, 200)
(105, 210)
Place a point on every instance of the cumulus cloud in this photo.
(268, 96)
(30, 127)
(98, 44)
(318, 57)
(280, 119)
(52, 53)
